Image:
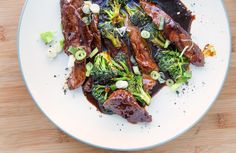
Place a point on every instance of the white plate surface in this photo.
(172, 114)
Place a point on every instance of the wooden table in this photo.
(24, 129)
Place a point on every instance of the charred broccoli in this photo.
(136, 15)
(108, 32)
(175, 65)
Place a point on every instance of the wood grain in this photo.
(24, 129)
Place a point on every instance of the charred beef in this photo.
(97, 40)
(123, 103)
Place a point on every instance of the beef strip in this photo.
(87, 86)
(77, 76)
(141, 50)
(148, 83)
(97, 40)
(77, 34)
(123, 103)
(175, 33)
(177, 11)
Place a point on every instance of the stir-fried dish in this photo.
(122, 52)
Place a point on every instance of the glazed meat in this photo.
(75, 31)
(148, 83)
(123, 103)
(97, 40)
(77, 76)
(141, 50)
(77, 34)
(175, 33)
(87, 86)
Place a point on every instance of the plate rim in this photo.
(133, 148)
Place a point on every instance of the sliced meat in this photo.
(148, 83)
(175, 33)
(75, 31)
(123, 103)
(177, 11)
(97, 40)
(78, 76)
(87, 86)
(77, 34)
(142, 52)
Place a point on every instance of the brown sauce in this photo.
(177, 11)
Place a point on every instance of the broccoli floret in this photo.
(175, 65)
(136, 88)
(101, 92)
(105, 68)
(155, 35)
(135, 81)
(114, 13)
(102, 70)
(108, 69)
(108, 32)
(136, 15)
(123, 2)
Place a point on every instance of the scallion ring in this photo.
(86, 20)
(145, 34)
(80, 55)
(170, 82)
(86, 9)
(155, 75)
(136, 70)
(89, 67)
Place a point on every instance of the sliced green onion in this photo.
(136, 70)
(47, 37)
(94, 52)
(122, 84)
(161, 81)
(155, 75)
(80, 55)
(175, 86)
(86, 20)
(95, 8)
(62, 42)
(170, 82)
(162, 22)
(88, 3)
(89, 67)
(145, 34)
(73, 50)
(86, 9)
(167, 43)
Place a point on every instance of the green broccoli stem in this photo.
(143, 97)
(158, 42)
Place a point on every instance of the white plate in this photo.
(72, 113)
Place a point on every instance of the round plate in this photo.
(173, 114)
